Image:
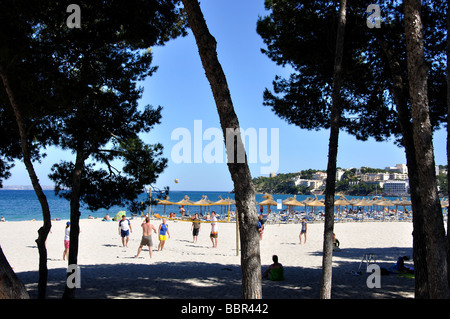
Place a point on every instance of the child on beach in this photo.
(162, 231)
(303, 230)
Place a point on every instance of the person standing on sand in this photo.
(303, 230)
(214, 229)
(146, 236)
(124, 230)
(260, 226)
(66, 241)
(162, 231)
(195, 228)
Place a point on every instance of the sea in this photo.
(20, 205)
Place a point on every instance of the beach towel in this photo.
(276, 274)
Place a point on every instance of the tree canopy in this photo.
(303, 36)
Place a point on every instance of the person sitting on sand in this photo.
(336, 243)
(401, 265)
(275, 271)
(106, 217)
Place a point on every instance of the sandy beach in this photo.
(187, 270)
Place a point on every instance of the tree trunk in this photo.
(435, 240)
(448, 137)
(69, 292)
(45, 229)
(327, 259)
(400, 93)
(239, 170)
(10, 285)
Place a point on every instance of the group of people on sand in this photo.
(147, 228)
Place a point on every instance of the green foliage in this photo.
(302, 34)
(78, 89)
(280, 184)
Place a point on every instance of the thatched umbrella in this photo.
(164, 202)
(203, 202)
(315, 202)
(384, 202)
(292, 201)
(185, 201)
(268, 201)
(341, 201)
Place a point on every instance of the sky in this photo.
(190, 121)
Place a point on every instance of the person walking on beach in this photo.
(214, 229)
(303, 230)
(195, 228)
(66, 241)
(124, 230)
(162, 231)
(146, 236)
(182, 211)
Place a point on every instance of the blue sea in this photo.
(19, 205)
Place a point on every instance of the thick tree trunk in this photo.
(45, 229)
(69, 292)
(10, 285)
(400, 93)
(435, 240)
(239, 170)
(327, 259)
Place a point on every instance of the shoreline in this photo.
(185, 270)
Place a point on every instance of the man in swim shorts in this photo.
(124, 230)
(214, 229)
(195, 227)
(146, 236)
(163, 230)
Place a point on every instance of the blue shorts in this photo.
(124, 233)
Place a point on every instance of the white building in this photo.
(396, 187)
(401, 168)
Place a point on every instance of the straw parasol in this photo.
(341, 201)
(164, 202)
(268, 201)
(185, 201)
(363, 202)
(203, 202)
(315, 202)
(292, 201)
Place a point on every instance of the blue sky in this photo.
(181, 87)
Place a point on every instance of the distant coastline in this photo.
(25, 188)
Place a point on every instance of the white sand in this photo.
(187, 270)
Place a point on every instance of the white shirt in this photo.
(67, 234)
(214, 226)
(124, 225)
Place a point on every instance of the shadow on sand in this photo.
(193, 280)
